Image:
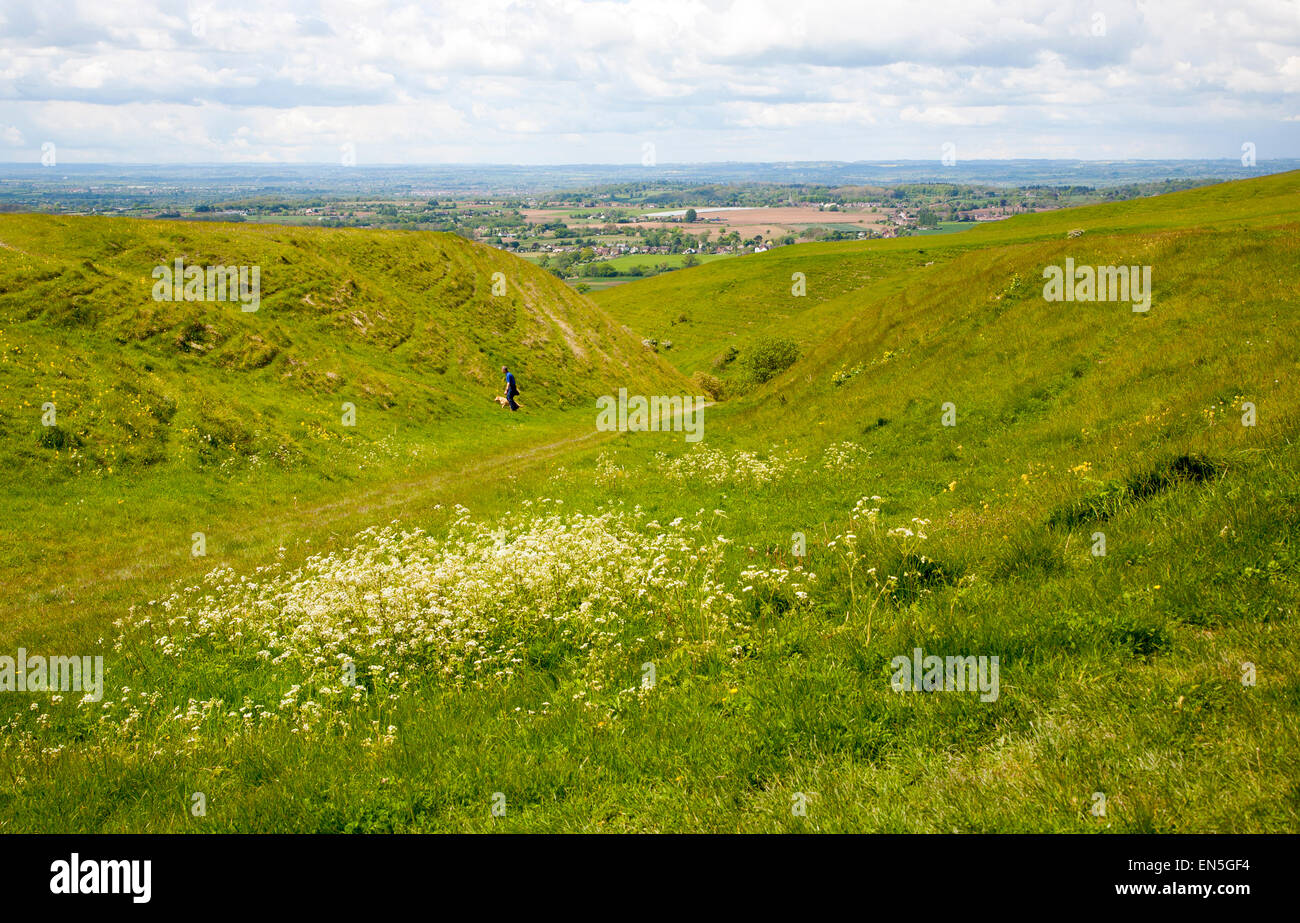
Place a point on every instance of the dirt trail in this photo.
(395, 493)
(371, 501)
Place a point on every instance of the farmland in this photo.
(592, 235)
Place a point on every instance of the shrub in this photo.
(726, 358)
(768, 358)
(711, 385)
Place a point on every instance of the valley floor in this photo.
(619, 634)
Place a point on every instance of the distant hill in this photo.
(85, 185)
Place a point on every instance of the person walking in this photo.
(512, 389)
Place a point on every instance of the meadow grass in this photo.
(573, 559)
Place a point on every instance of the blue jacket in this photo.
(511, 387)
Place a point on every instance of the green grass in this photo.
(648, 260)
(945, 227)
(1119, 673)
(733, 303)
(175, 417)
(597, 285)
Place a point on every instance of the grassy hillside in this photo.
(179, 416)
(403, 325)
(705, 310)
(1073, 422)
(628, 632)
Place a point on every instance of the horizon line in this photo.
(658, 166)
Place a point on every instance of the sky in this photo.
(645, 81)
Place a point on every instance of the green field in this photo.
(945, 227)
(647, 260)
(625, 263)
(399, 624)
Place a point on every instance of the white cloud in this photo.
(557, 80)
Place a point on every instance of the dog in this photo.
(505, 403)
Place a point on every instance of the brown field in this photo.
(547, 215)
(786, 216)
(749, 222)
(782, 220)
(544, 215)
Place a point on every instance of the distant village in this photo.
(634, 230)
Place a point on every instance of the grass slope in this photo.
(177, 417)
(501, 639)
(706, 309)
(389, 320)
